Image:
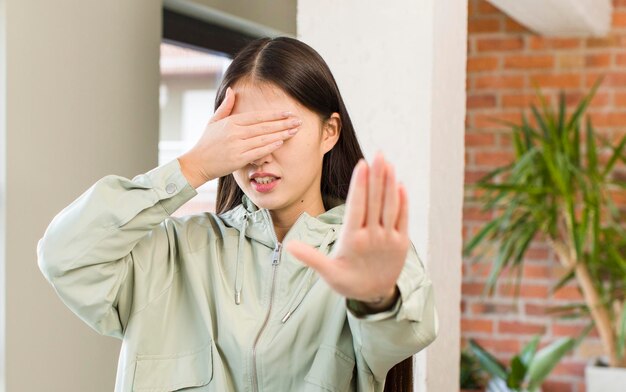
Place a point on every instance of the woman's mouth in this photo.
(264, 184)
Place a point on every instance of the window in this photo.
(198, 46)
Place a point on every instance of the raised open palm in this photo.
(370, 252)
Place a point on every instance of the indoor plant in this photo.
(528, 369)
(557, 190)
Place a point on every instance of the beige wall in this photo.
(82, 96)
(277, 14)
(81, 101)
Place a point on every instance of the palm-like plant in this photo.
(555, 189)
(529, 368)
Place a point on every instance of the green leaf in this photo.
(582, 106)
(528, 352)
(488, 362)
(617, 152)
(516, 376)
(546, 359)
(478, 238)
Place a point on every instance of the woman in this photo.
(213, 301)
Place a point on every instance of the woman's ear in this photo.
(331, 131)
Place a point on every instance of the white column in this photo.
(400, 67)
(79, 99)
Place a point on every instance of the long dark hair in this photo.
(301, 73)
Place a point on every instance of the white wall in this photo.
(82, 97)
(401, 70)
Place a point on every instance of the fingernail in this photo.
(293, 131)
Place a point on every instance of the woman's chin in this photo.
(267, 201)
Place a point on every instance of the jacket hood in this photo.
(256, 223)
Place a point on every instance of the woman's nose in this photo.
(262, 160)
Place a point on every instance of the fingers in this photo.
(270, 127)
(310, 256)
(391, 199)
(356, 201)
(263, 150)
(403, 218)
(225, 107)
(375, 191)
(256, 117)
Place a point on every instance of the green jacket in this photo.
(210, 302)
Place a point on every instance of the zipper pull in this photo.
(276, 255)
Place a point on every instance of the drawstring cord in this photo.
(308, 281)
(240, 265)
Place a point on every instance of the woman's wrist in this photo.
(186, 168)
(379, 304)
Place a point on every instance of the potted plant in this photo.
(528, 369)
(557, 190)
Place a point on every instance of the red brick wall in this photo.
(504, 60)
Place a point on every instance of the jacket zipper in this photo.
(275, 263)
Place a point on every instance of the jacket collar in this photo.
(307, 228)
(256, 223)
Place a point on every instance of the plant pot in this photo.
(601, 378)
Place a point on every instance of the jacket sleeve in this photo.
(381, 340)
(112, 250)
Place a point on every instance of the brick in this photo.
(511, 26)
(598, 60)
(492, 121)
(614, 79)
(476, 325)
(599, 99)
(484, 25)
(608, 119)
(556, 386)
(541, 43)
(557, 80)
(620, 59)
(526, 62)
(493, 308)
(560, 329)
(471, 176)
(500, 345)
(472, 288)
(498, 81)
(476, 214)
(619, 19)
(493, 158)
(485, 8)
(568, 61)
(479, 139)
(526, 290)
(535, 310)
(534, 271)
(590, 348)
(481, 101)
(477, 64)
(479, 270)
(569, 368)
(570, 293)
(520, 328)
(521, 100)
(609, 41)
(499, 44)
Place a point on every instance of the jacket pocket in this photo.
(166, 373)
(332, 369)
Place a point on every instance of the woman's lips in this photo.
(264, 187)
